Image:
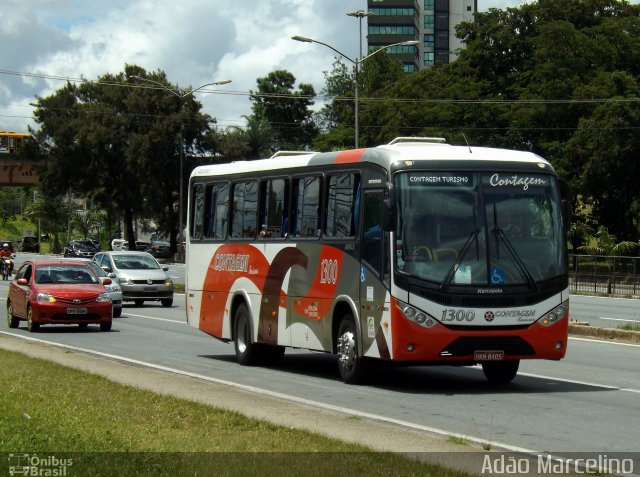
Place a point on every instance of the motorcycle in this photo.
(6, 267)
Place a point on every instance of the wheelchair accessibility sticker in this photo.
(497, 276)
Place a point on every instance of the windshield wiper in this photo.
(473, 236)
(498, 233)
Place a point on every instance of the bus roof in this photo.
(401, 149)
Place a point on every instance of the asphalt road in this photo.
(582, 403)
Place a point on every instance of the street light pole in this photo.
(181, 189)
(357, 62)
(359, 14)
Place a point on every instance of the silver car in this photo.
(139, 275)
(114, 290)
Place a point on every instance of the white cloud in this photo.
(193, 41)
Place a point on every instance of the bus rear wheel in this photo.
(352, 366)
(246, 351)
(500, 372)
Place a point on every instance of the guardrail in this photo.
(604, 275)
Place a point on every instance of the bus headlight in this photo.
(555, 315)
(414, 315)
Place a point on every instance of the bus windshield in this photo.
(479, 229)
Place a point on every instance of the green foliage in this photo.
(557, 77)
(286, 111)
(54, 214)
(604, 243)
(119, 142)
(560, 78)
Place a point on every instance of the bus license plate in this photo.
(488, 355)
(77, 311)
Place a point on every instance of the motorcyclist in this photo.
(5, 260)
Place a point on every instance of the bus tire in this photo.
(246, 351)
(500, 372)
(352, 366)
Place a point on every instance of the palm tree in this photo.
(87, 221)
(54, 214)
(604, 243)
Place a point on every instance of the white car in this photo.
(139, 275)
(119, 244)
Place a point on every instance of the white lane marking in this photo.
(286, 397)
(581, 383)
(618, 319)
(124, 310)
(604, 341)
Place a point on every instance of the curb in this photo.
(607, 334)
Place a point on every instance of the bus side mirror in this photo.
(387, 218)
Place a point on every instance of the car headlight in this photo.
(126, 281)
(168, 282)
(113, 288)
(416, 316)
(554, 315)
(45, 298)
(103, 298)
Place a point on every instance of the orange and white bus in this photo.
(414, 252)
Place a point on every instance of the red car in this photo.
(53, 292)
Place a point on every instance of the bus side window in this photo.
(342, 196)
(372, 241)
(197, 214)
(217, 211)
(305, 217)
(244, 209)
(274, 208)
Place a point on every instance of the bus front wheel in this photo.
(500, 372)
(246, 351)
(351, 365)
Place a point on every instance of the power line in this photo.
(339, 98)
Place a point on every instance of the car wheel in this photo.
(105, 326)
(12, 320)
(32, 326)
(246, 351)
(139, 302)
(167, 302)
(352, 366)
(117, 312)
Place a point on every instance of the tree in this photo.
(86, 221)
(560, 78)
(53, 212)
(287, 111)
(119, 142)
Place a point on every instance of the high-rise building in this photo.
(431, 22)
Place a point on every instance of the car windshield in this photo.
(84, 246)
(479, 229)
(135, 262)
(96, 269)
(68, 274)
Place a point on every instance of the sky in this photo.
(194, 42)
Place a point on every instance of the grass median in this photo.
(106, 428)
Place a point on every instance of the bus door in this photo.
(375, 317)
